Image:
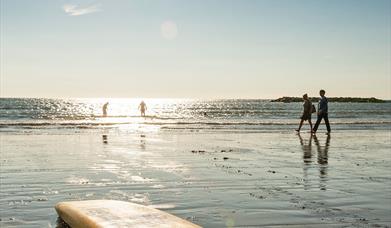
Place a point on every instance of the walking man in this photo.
(322, 112)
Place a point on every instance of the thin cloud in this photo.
(76, 10)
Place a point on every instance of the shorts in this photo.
(306, 117)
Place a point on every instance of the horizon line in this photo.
(186, 98)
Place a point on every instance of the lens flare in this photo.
(169, 30)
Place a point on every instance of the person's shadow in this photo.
(322, 161)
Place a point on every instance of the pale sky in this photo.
(195, 49)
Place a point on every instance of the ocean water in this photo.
(253, 115)
(216, 163)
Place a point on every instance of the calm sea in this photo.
(18, 114)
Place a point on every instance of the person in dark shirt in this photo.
(306, 112)
(322, 112)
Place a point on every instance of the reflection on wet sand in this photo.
(322, 154)
(322, 161)
(142, 142)
(306, 146)
(104, 139)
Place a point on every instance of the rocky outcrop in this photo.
(331, 99)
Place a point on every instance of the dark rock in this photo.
(332, 99)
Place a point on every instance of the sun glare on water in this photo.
(126, 111)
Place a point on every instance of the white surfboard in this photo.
(112, 213)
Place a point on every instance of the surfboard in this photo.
(113, 213)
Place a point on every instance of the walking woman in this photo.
(307, 112)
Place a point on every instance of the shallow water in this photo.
(18, 114)
(214, 178)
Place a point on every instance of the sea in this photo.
(215, 163)
(41, 114)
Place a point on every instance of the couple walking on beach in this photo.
(322, 112)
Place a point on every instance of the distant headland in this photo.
(332, 99)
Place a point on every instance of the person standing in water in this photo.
(322, 112)
(142, 107)
(307, 112)
(104, 109)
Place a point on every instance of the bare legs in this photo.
(301, 124)
(310, 124)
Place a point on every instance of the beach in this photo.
(214, 178)
(229, 113)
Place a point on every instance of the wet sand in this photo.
(214, 179)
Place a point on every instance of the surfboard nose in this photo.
(112, 213)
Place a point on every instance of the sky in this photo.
(195, 49)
